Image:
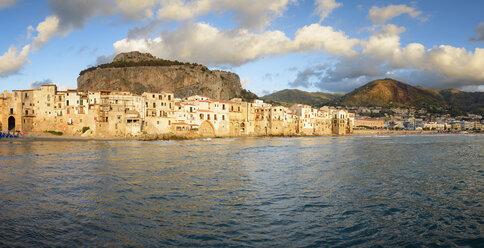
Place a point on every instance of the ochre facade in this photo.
(123, 114)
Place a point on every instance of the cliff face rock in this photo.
(138, 73)
(134, 57)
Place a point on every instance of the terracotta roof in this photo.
(204, 110)
(179, 123)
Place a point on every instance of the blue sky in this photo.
(314, 45)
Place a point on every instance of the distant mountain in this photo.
(291, 96)
(392, 93)
(467, 101)
(388, 93)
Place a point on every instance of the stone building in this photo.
(104, 113)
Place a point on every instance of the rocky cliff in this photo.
(137, 72)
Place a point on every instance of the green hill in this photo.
(467, 101)
(392, 93)
(291, 96)
(388, 93)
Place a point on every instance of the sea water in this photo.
(248, 192)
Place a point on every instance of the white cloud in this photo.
(382, 55)
(383, 14)
(203, 43)
(325, 7)
(323, 38)
(253, 14)
(46, 30)
(137, 9)
(447, 60)
(6, 3)
(206, 44)
(13, 60)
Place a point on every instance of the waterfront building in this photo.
(105, 113)
(374, 123)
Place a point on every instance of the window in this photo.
(215, 117)
(154, 105)
(11, 111)
(223, 117)
(223, 106)
(169, 98)
(208, 116)
(201, 116)
(67, 103)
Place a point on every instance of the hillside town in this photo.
(413, 119)
(104, 113)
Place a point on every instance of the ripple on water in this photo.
(290, 192)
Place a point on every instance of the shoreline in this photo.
(377, 132)
(51, 137)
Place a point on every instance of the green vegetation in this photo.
(288, 97)
(157, 62)
(382, 113)
(466, 101)
(247, 95)
(84, 129)
(391, 93)
(388, 93)
(54, 132)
